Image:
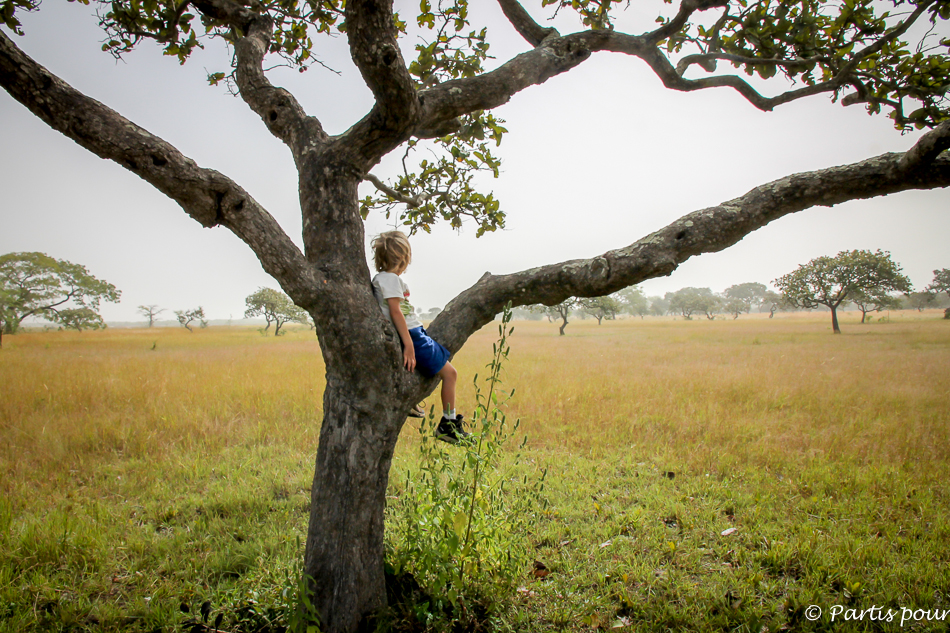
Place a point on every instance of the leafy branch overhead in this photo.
(443, 186)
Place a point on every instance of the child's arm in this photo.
(408, 351)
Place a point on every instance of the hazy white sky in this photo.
(595, 159)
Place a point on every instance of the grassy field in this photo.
(701, 475)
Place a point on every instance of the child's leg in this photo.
(449, 376)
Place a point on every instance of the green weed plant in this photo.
(458, 527)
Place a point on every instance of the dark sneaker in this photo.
(446, 431)
(461, 435)
(417, 412)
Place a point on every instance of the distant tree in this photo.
(866, 303)
(741, 297)
(831, 281)
(941, 283)
(275, 307)
(561, 311)
(689, 301)
(659, 305)
(735, 307)
(526, 314)
(80, 319)
(35, 284)
(150, 312)
(185, 317)
(773, 300)
(920, 300)
(633, 301)
(432, 313)
(600, 307)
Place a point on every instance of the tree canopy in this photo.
(37, 285)
(848, 276)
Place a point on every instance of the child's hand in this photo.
(409, 358)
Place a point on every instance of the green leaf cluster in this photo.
(443, 187)
(855, 42)
(180, 31)
(452, 53)
(941, 282)
(594, 14)
(8, 9)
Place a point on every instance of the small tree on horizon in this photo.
(275, 307)
(633, 301)
(185, 317)
(831, 281)
(689, 301)
(600, 307)
(150, 312)
(741, 297)
(868, 302)
(920, 300)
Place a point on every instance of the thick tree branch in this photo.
(206, 195)
(705, 231)
(927, 148)
(278, 109)
(371, 31)
(237, 16)
(555, 55)
(530, 30)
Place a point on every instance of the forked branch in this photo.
(278, 109)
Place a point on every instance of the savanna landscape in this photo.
(675, 476)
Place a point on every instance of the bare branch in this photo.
(412, 202)
(278, 109)
(206, 195)
(530, 30)
(705, 231)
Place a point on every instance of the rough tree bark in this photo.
(367, 395)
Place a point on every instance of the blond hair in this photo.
(391, 251)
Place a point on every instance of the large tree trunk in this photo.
(344, 556)
(367, 396)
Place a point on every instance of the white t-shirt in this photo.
(388, 286)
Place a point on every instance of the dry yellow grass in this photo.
(700, 393)
(70, 398)
(767, 392)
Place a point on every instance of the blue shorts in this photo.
(431, 355)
